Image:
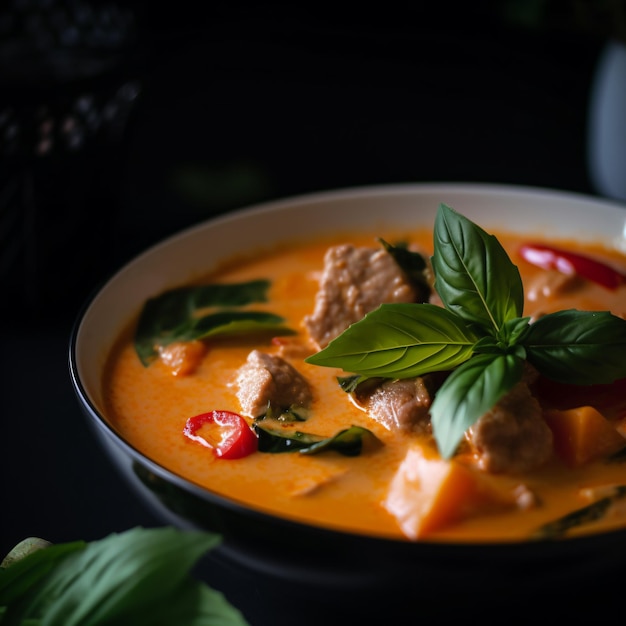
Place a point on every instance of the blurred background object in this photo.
(68, 82)
(607, 122)
(605, 22)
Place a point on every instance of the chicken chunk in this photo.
(266, 380)
(550, 285)
(355, 281)
(513, 436)
(398, 404)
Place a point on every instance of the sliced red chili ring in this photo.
(236, 439)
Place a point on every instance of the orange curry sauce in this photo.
(149, 406)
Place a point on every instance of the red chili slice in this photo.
(566, 262)
(236, 439)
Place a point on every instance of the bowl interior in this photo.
(200, 249)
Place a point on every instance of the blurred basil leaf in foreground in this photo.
(140, 576)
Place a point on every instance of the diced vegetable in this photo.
(583, 434)
(182, 357)
(427, 494)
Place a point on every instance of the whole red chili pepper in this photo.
(236, 439)
(566, 262)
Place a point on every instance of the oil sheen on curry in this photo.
(339, 382)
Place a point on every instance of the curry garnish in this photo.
(198, 312)
(348, 442)
(585, 515)
(479, 335)
(413, 264)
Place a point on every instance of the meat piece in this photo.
(398, 404)
(266, 380)
(512, 437)
(354, 282)
(549, 285)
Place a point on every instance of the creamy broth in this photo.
(149, 407)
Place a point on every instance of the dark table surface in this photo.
(226, 112)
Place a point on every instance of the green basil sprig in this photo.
(479, 335)
(140, 576)
(181, 315)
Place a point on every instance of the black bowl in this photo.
(279, 571)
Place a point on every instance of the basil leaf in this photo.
(473, 273)
(578, 347)
(350, 383)
(400, 341)
(348, 442)
(174, 306)
(585, 515)
(230, 323)
(176, 315)
(291, 413)
(470, 391)
(139, 576)
(18, 579)
(507, 340)
(513, 331)
(276, 440)
(413, 264)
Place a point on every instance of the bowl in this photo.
(280, 571)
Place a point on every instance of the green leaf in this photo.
(470, 391)
(349, 441)
(578, 347)
(507, 340)
(22, 576)
(139, 576)
(400, 341)
(276, 440)
(286, 414)
(177, 315)
(473, 273)
(513, 331)
(350, 383)
(585, 515)
(413, 264)
(231, 323)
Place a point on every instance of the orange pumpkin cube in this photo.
(583, 434)
(427, 494)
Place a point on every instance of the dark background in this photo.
(118, 129)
